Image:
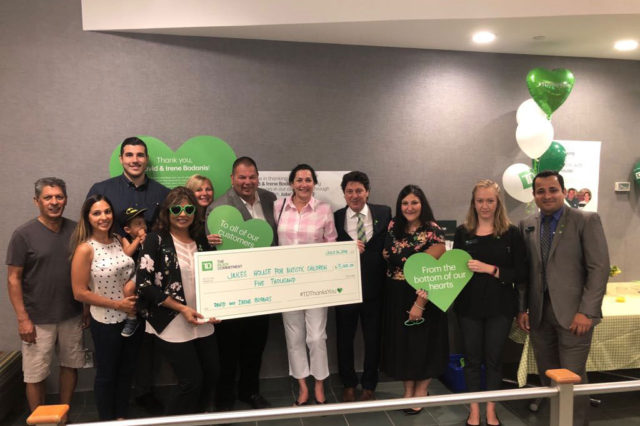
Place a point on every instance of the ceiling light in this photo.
(483, 37)
(625, 45)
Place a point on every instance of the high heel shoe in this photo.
(411, 411)
(297, 403)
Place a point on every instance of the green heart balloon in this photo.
(443, 278)
(237, 233)
(205, 155)
(636, 173)
(553, 158)
(550, 88)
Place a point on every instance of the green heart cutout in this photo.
(237, 233)
(550, 88)
(339, 289)
(205, 155)
(442, 278)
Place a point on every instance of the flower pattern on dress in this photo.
(146, 263)
(397, 249)
(158, 279)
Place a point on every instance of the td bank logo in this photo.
(207, 266)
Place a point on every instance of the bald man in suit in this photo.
(568, 273)
(241, 341)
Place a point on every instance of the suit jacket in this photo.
(267, 198)
(372, 265)
(577, 268)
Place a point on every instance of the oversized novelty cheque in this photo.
(443, 279)
(265, 280)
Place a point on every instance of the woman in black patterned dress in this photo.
(415, 332)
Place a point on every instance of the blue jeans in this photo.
(115, 358)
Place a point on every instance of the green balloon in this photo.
(553, 158)
(636, 173)
(550, 88)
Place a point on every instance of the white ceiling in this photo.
(570, 28)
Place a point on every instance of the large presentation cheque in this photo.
(247, 282)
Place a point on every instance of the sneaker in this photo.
(130, 327)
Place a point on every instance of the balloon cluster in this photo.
(548, 89)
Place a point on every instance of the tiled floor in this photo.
(616, 409)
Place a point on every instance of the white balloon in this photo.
(517, 181)
(534, 136)
(529, 110)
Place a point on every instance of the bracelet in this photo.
(495, 271)
(418, 306)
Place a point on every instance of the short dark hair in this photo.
(49, 181)
(296, 169)
(426, 214)
(176, 196)
(549, 173)
(133, 141)
(355, 176)
(245, 161)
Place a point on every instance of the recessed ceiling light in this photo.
(625, 45)
(483, 37)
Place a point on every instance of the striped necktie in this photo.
(362, 235)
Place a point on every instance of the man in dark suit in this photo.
(367, 225)
(241, 341)
(568, 273)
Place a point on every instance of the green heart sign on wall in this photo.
(550, 88)
(205, 155)
(443, 279)
(236, 233)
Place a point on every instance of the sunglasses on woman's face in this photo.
(189, 209)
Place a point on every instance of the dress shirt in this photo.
(255, 210)
(555, 218)
(124, 194)
(313, 224)
(351, 223)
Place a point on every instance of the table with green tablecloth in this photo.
(616, 340)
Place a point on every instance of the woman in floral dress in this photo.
(166, 283)
(415, 332)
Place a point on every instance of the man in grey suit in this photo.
(241, 341)
(568, 273)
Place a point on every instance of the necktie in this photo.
(362, 235)
(545, 239)
(545, 247)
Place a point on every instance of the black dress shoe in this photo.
(149, 402)
(256, 401)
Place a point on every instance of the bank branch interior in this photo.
(437, 93)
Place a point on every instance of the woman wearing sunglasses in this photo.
(415, 332)
(166, 281)
(99, 271)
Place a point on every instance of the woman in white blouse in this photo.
(99, 271)
(302, 219)
(166, 284)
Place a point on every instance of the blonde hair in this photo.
(501, 221)
(195, 181)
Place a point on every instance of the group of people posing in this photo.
(129, 261)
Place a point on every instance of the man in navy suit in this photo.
(367, 225)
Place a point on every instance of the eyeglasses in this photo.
(189, 209)
(410, 323)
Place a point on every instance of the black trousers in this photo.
(242, 341)
(196, 366)
(115, 358)
(483, 340)
(369, 313)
